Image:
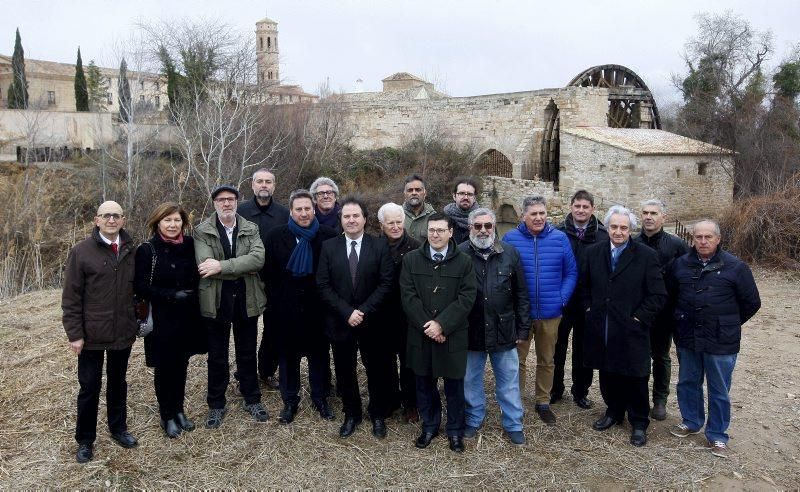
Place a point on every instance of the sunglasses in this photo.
(488, 226)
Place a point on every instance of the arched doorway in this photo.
(507, 219)
(495, 163)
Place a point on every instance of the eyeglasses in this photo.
(108, 217)
(488, 226)
(225, 199)
(326, 193)
(437, 232)
(465, 194)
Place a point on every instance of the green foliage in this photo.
(702, 83)
(176, 83)
(81, 90)
(787, 80)
(18, 90)
(97, 87)
(124, 91)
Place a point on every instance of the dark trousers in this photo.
(581, 376)
(376, 358)
(90, 375)
(170, 384)
(267, 349)
(245, 334)
(403, 384)
(430, 404)
(660, 340)
(626, 394)
(318, 369)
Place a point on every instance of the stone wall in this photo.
(30, 128)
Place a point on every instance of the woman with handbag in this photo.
(166, 276)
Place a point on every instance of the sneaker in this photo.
(547, 415)
(215, 417)
(470, 432)
(682, 430)
(719, 449)
(516, 437)
(257, 410)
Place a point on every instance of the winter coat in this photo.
(595, 233)
(499, 316)
(177, 329)
(265, 218)
(444, 292)
(295, 308)
(713, 301)
(620, 307)
(416, 226)
(392, 315)
(550, 268)
(97, 297)
(668, 248)
(248, 262)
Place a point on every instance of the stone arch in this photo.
(495, 163)
(507, 218)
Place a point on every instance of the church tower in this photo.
(267, 51)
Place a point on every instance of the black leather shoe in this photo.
(125, 439)
(84, 454)
(639, 437)
(584, 403)
(424, 439)
(184, 422)
(171, 428)
(603, 423)
(324, 410)
(659, 411)
(379, 428)
(349, 426)
(287, 414)
(456, 444)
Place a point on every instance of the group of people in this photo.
(438, 292)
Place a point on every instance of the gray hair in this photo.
(620, 210)
(322, 180)
(481, 211)
(657, 203)
(713, 222)
(389, 208)
(531, 200)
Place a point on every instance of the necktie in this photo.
(614, 257)
(115, 249)
(581, 232)
(353, 259)
(437, 257)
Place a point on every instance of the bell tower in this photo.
(267, 51)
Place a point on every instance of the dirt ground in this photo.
(38, 388)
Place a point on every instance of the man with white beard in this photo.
(498, 321)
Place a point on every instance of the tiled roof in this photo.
(646, 142)
(65, 69)
(403, 76)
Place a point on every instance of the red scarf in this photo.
(178, 240)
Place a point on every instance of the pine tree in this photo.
(81, 92)
(124, 91)
(97, 87)
(18, 91)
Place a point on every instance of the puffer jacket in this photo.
(550, 268)
(247, 264)
(97, 299)
(713, 301)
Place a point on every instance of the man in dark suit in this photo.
(621, 291)
(354, 277)
(292, 258)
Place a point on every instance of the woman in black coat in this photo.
(171, 289)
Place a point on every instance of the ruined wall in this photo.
(51, 129)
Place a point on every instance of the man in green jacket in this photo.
(229, 255)
(416, 209)
(437, 286)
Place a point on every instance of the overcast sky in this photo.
(466, 47)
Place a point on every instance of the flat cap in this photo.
(219, 189)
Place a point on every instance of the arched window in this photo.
(269, 75)
(495, 163)
(261, 43)
(269, 43)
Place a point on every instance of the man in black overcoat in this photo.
(622, 291)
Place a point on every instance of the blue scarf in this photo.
(301, 263)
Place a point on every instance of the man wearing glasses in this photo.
(437, 287)
(416, 209)
(464, 193)
(97, 305)
(229, 255)
(326, 206)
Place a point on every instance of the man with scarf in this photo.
(326, 204)
(465, 191)
(292, 255)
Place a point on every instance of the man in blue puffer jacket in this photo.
(551, 275)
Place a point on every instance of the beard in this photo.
(482, 243)
(264, 194)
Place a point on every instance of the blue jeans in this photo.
(717, 370)
(505, 365)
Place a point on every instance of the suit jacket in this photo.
(374, 278)
(613, 340)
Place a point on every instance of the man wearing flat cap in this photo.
(229, 255)
(97, 306)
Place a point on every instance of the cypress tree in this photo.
(18, 91)
(81, 91)
(124, 91)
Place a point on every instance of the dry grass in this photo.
(37, 411)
